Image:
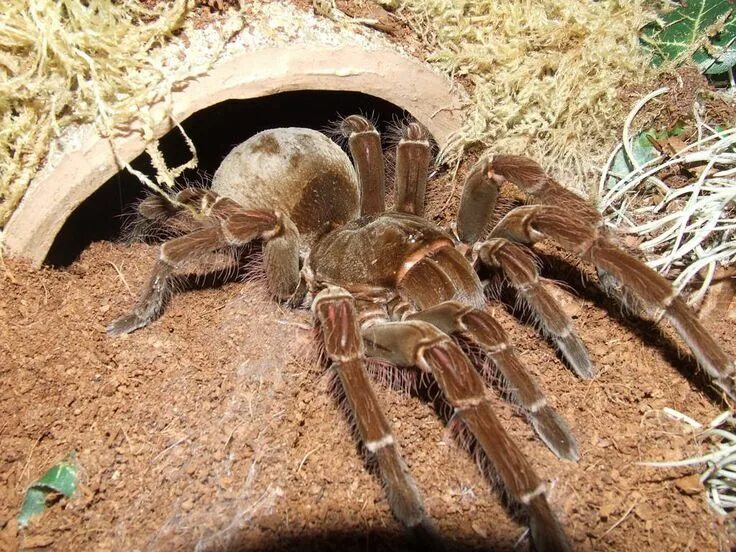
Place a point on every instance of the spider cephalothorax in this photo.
(395, 287)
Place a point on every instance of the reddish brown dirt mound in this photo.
(215, 428)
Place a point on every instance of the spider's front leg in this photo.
(413, 157)
(574, 225)
(479, 328)
(518, 265)
(185, 214)
(335, 310)
(421, 344)
(224, 224)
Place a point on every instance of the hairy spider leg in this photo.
(584, 235)
(335, 309)
(365, 147)
(421, 344)
(479, 328)
(518, 266)
(227, 225)
(413, 157)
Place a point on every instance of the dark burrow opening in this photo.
(214, 132)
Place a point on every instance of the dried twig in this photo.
(122, 278)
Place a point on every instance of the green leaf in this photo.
(642, 149)
(702, 29)
(678, 128)
(33, 504)
(60, 479)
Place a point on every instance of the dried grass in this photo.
(684, 221)
(64, 62)
(545, 75)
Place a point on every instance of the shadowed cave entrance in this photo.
(214, 132)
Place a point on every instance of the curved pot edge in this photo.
(403, 81)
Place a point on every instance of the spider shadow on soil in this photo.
(341, 540)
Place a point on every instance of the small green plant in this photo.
(643, 149)
(59, 480)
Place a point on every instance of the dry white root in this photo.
(719, 476)
(687, 231)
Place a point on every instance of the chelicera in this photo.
(391, 285)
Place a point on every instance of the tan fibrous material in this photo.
(54, 73)
(545, 76)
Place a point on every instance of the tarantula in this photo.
(393, 286)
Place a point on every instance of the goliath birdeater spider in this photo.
(391, 285)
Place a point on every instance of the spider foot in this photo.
(728, 385)
(576, 354)
(126, 324)
(555, 433)
(547, 533)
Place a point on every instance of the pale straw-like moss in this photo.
(66, 61)
(546, 75)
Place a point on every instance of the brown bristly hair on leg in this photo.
(157, 217)
(334, 128)
(387, 375)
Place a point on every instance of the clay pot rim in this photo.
(407, 83)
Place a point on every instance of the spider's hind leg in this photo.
(365, 147)
(160, 217)
(184, 213)
(413, 158)
(175, 256)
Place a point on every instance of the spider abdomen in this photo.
(298, 171)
